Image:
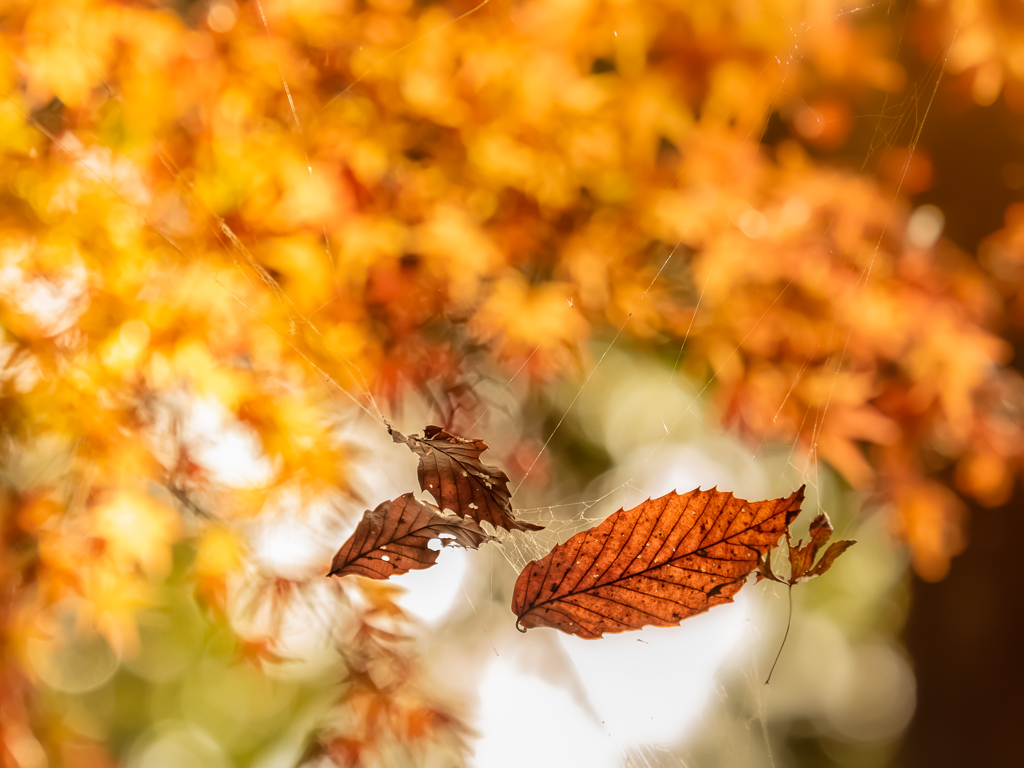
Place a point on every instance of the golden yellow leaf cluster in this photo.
(987, 50)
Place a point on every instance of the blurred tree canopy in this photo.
(227, 228)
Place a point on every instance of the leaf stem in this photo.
(789, 623)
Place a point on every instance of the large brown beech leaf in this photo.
(450, 470)
(394, 539)
(656, 564)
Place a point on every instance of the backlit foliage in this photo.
(224, 226)
(988, 52)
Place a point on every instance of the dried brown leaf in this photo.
(656, 564)
(801, 556)
(450, 470)
(835, 550)
(801, 565)
(393, 539)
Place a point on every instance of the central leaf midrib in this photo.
(670, 561)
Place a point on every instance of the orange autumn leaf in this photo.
(656, 564)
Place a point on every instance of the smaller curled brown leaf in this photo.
(656, 564)
(393, 539)
(450, 470)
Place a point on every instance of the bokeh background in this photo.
(634, 246)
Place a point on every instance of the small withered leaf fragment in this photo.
(394, 538)
(834, 550)
(450, 470)
(801, 565)
(801, 556)
(656, 564)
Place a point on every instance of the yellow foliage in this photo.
(222, 233)
(136, 530)
(523, 320)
